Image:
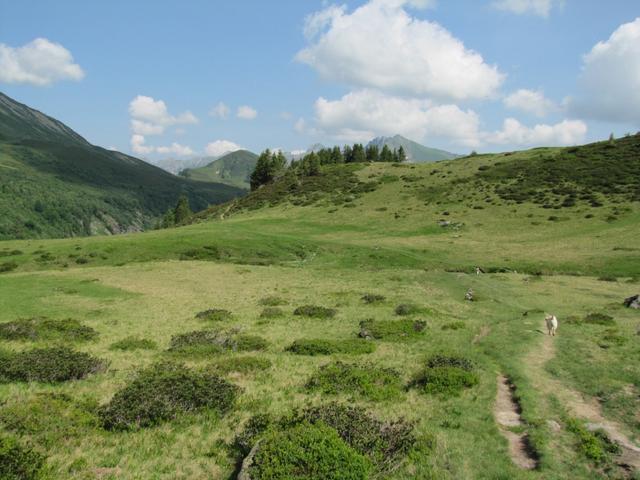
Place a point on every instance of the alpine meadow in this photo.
(206, 300)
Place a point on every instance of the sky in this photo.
(178, 79)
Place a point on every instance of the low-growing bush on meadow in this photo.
(133, 343)
(405, 309)
(329, 347)
(272, 312)
(373, 298)
(50, 365)
(596, 446)
(446, 375)
(214, 315)
(368, 381)
(208, 342)
(391, 329)
(307, 451)
(42, 328)
(164, 391)
(240, 364)
(19, 462)
(8, 266)
(314, 311)
(272, 301)
(599, 319)
(454, 326)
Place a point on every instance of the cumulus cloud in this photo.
(221, 110)
(220, 147)
(245, 112)
(139, 147)
(151, 117)
(361, 115)
(541, 8)
(567, 132)
(610, 78)
(530, 101)
(39, 62)
(379, 45)
(175, 149)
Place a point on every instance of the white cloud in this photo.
(39, 62)
(567, 132)
(541, 8)
(609, 85)
(300, 125)
(175, 149)
(220, 147)
(530, 101)
(151, 117)
(364, 114)
(139, 146)
(245, 112)
(221, 110)
(379, 45)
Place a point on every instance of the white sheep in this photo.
(552, 324)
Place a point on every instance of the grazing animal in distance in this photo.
(552, 324)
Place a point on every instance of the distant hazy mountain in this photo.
(415, 152)
(231, 169)
(176, 165)
(53, 183)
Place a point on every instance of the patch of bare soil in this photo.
(507, 414)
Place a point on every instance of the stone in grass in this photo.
(632, 302)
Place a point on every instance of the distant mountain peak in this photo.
(415, 151)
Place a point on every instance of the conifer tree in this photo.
(358, 153)
(386, 155)
(402, 156)
(182, 211)
(373, 153)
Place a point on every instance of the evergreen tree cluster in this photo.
(177, 215)
(272, 165)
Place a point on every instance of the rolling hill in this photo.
(415, 152)
(55, 184)
(231, 169)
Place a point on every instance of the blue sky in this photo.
(491, 75)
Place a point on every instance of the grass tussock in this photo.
(129, 344)
(599, 319)
(19, 462)
(211, 342)
(164, 391)
(329, 347)
(6, 267)
(44, 329)
(368, 381)
(373, 298)
(405, 309)
(240, 364)
(272, 312)
(49, 365)
(315, 311)
(273, 301)
(214, 315)
(446, 375)
(391, 329)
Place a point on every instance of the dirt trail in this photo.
(507, 414)
(579, 406)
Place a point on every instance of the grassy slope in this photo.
(232, 169)
(325, 251)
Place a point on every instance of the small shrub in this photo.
(246, 343)
(272, 301)
(133, 343)
(164, 391)
(82, 260)
(330, 347)
(271, 312)
(369, 381)
(607, 278)
(391, 329)
(450, 361)
(314, 311)
(10, 253)
(405, 309)
(454, 326)
(18, 462)
(373, 298)
(42, 328)
(8, 266)
(57, 364)
(307, 451)
(449, 381)
(599, 319)
(595, 446)
(214, 315)
(211, 342)
(245, 364)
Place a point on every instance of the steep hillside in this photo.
(415, 152)
(55, 184)
(232, 169)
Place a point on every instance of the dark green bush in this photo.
(391, 329)
(42, 328)
(599, 319)
(18, 462)
(246, 343)
(272, 301)
(407, 309)
(369, 381)
(133, 343)
(314, 311)
(596, 446)
(164, 391)
(50, 365)
(207, 342)
(214, 315)
(8, 266)
(244, 364)
(307, 451)
(373, 298)
(450, 361)
(272, 312)
(449, 381)
(329, 347)
(10, 253)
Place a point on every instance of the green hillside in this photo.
(329, 312)
(415, 152)
(55, 184)
(231, 169)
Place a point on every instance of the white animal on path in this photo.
(552, 324)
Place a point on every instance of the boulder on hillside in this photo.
(632, 302)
